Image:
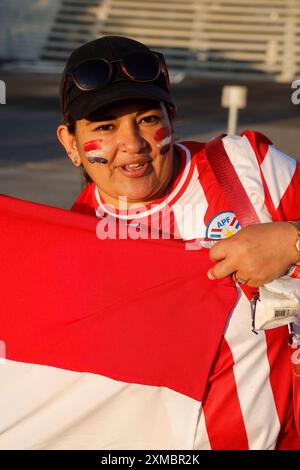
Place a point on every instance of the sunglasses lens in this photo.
(142, 66)
(92, 74)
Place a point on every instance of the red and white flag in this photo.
(108, 343)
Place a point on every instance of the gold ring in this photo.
(237, 279)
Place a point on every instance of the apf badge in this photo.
(222, 225)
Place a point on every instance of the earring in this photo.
(75, 161)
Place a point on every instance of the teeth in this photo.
(134, 165)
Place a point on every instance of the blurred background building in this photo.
(207, 43)
(202, 38)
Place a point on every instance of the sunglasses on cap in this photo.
(94, 74)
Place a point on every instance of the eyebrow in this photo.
(100, 119)
(148, 108)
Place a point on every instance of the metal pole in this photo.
(232, 120)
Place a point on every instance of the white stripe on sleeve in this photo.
(202, 439)
(243, 158)
(278, 170)
(251, 371)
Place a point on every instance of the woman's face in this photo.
(135, 141)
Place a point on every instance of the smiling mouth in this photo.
(135, 169)
(134, 166)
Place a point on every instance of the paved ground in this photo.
(33, 165)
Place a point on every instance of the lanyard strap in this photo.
(236, 196)
(230, 182)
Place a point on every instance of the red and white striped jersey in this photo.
(248, 399)
(156, 356)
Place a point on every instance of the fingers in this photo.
(229, 258)
(221, 269)
(258, 254)
(238, 279)
(219, 251)
(249, 282)
(220, 254)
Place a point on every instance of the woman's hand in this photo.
(257, 254)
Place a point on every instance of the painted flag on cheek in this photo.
(136, 311)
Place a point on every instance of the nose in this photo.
(130, 139)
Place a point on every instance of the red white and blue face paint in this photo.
(94, 152)
(163, 137)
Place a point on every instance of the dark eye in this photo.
(104, 127)
(151, 119)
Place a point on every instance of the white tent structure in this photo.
(202, 38)
(24, 27)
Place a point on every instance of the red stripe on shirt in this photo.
(223, 416)
(279, 353)
(289, 207)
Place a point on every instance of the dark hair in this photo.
(71, 125)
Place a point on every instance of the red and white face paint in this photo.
(94, 152)
(163, 137)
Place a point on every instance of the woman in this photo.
(119, 130)
(143, 350)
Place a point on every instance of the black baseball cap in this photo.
(80, 103)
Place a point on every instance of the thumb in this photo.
(210, 274)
